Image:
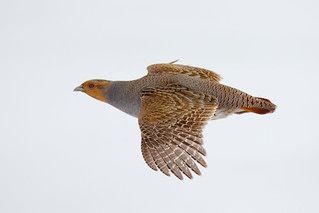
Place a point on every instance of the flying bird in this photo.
(173, 103)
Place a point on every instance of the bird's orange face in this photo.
(95, 88)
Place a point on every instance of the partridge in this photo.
(173, 103)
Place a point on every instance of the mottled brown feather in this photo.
(156, 156)
(183, 69)
(148, 157)
(171, 121)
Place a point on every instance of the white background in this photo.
(62, 151)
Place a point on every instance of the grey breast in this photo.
(125, 97)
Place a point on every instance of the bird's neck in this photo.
(125, 96)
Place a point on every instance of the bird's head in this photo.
(95, 88)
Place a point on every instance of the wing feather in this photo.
(172, 68)
(171, 121)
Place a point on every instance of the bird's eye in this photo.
(91, 86)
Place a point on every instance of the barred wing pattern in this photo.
(183, 69)
(171, 122)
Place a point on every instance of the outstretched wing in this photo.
(171, 121)
(183, 69)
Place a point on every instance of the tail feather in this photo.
(265, 99)
(257, 110)
(261, 106)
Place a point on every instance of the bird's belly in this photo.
(223, 113)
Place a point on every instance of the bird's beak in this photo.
(79, 88)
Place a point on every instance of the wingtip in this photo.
(180, 177)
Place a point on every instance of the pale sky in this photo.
(62, 151)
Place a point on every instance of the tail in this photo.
(259, 106)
